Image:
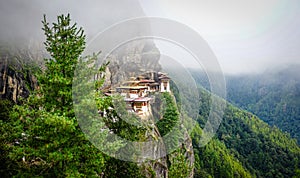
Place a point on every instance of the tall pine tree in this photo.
(65, 43)
(42, 136)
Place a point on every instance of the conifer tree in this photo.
(47, 140)
(65, 43)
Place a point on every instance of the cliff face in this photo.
(130, 61)
(185, 148)
(15, 81)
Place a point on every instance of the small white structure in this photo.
(138, 105)
(141, 105)
(164, 84)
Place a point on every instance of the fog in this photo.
(21, 20)
(246, 37)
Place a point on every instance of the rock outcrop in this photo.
(131, 61)
(15, 81)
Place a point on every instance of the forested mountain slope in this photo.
(274, 96)
(244, 146)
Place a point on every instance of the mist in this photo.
(246, 38)
(21, 20)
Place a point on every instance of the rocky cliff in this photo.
(134, 59)
(130, 61)
(16, 81)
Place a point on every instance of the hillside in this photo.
(274, 96)
(244, 146)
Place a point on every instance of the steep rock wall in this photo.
(15, 81)
(133, 60)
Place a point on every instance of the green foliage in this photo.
(65, 43)
(214, 159)
(262, 150)
(179, 165)
(42, 138)
(7, 165)
(169, 126)
(170, 115)
(118, 168)
(110, 108)
(297, 173)
(124, 124)
(5, 106)
(51, 145)
(273, 96)
(42, 135)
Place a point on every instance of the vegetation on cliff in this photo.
(41, 136)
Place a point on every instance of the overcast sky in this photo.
(246, 36)
(22, 19)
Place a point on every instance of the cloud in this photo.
(246, 36)
(21, 20)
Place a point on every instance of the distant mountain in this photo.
(244, 146)
(274, 96)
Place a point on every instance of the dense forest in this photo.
(40, 135)
(250, 146)
(244, 146)
(274, 95)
